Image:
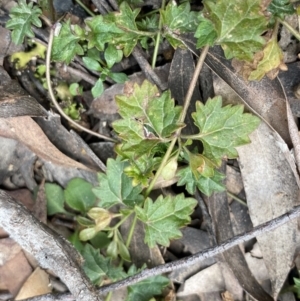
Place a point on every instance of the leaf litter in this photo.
(29, 149)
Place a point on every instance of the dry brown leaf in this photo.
(14, 267)
(57, 166)
(36, 284)
(272, 190)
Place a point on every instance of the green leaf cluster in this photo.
(149, 120)
(23, 16)
(77, 195)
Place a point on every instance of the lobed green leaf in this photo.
(207, 185)
(115, 187)
(144, 290)
(222, 129)
(164, 217)
(23, 16)
(66, 45)
(98, 268)
(239, 25)
(149, 118)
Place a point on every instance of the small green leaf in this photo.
(164, 217)
(119, 78)
(178, 19)
(112, 250)
(97, 267)
(150, 23)
(75, 89)
(207, 185)
(281, 8)
(91, 63)
(100, 240)
(87, 234)
(85, 222)
(145, 289)
(79, 196)
(239, 25)
(98, 89)
(22, 17)
(76, 242)
(66, 45)
(102, 30)
(222, 129)
(123, 251)
(117, 29)
(111, 55)
(297, 286)
(116, 187)
(55, 199)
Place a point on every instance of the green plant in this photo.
(151, 145)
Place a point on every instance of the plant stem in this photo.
(290, 28)
(108, 297)
(193, 83)
(131, 231)
(157, 40)
(57, 106)
(161, 166)
(187, 101)
(85, 8)
(120, 222)
(51, 10)
(237, 198)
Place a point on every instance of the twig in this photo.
(293, 129)
(210, 252)
(146, 68)
(102, 6)
(59, 109)
(49, 249)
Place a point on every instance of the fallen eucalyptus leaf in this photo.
(271, 189)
